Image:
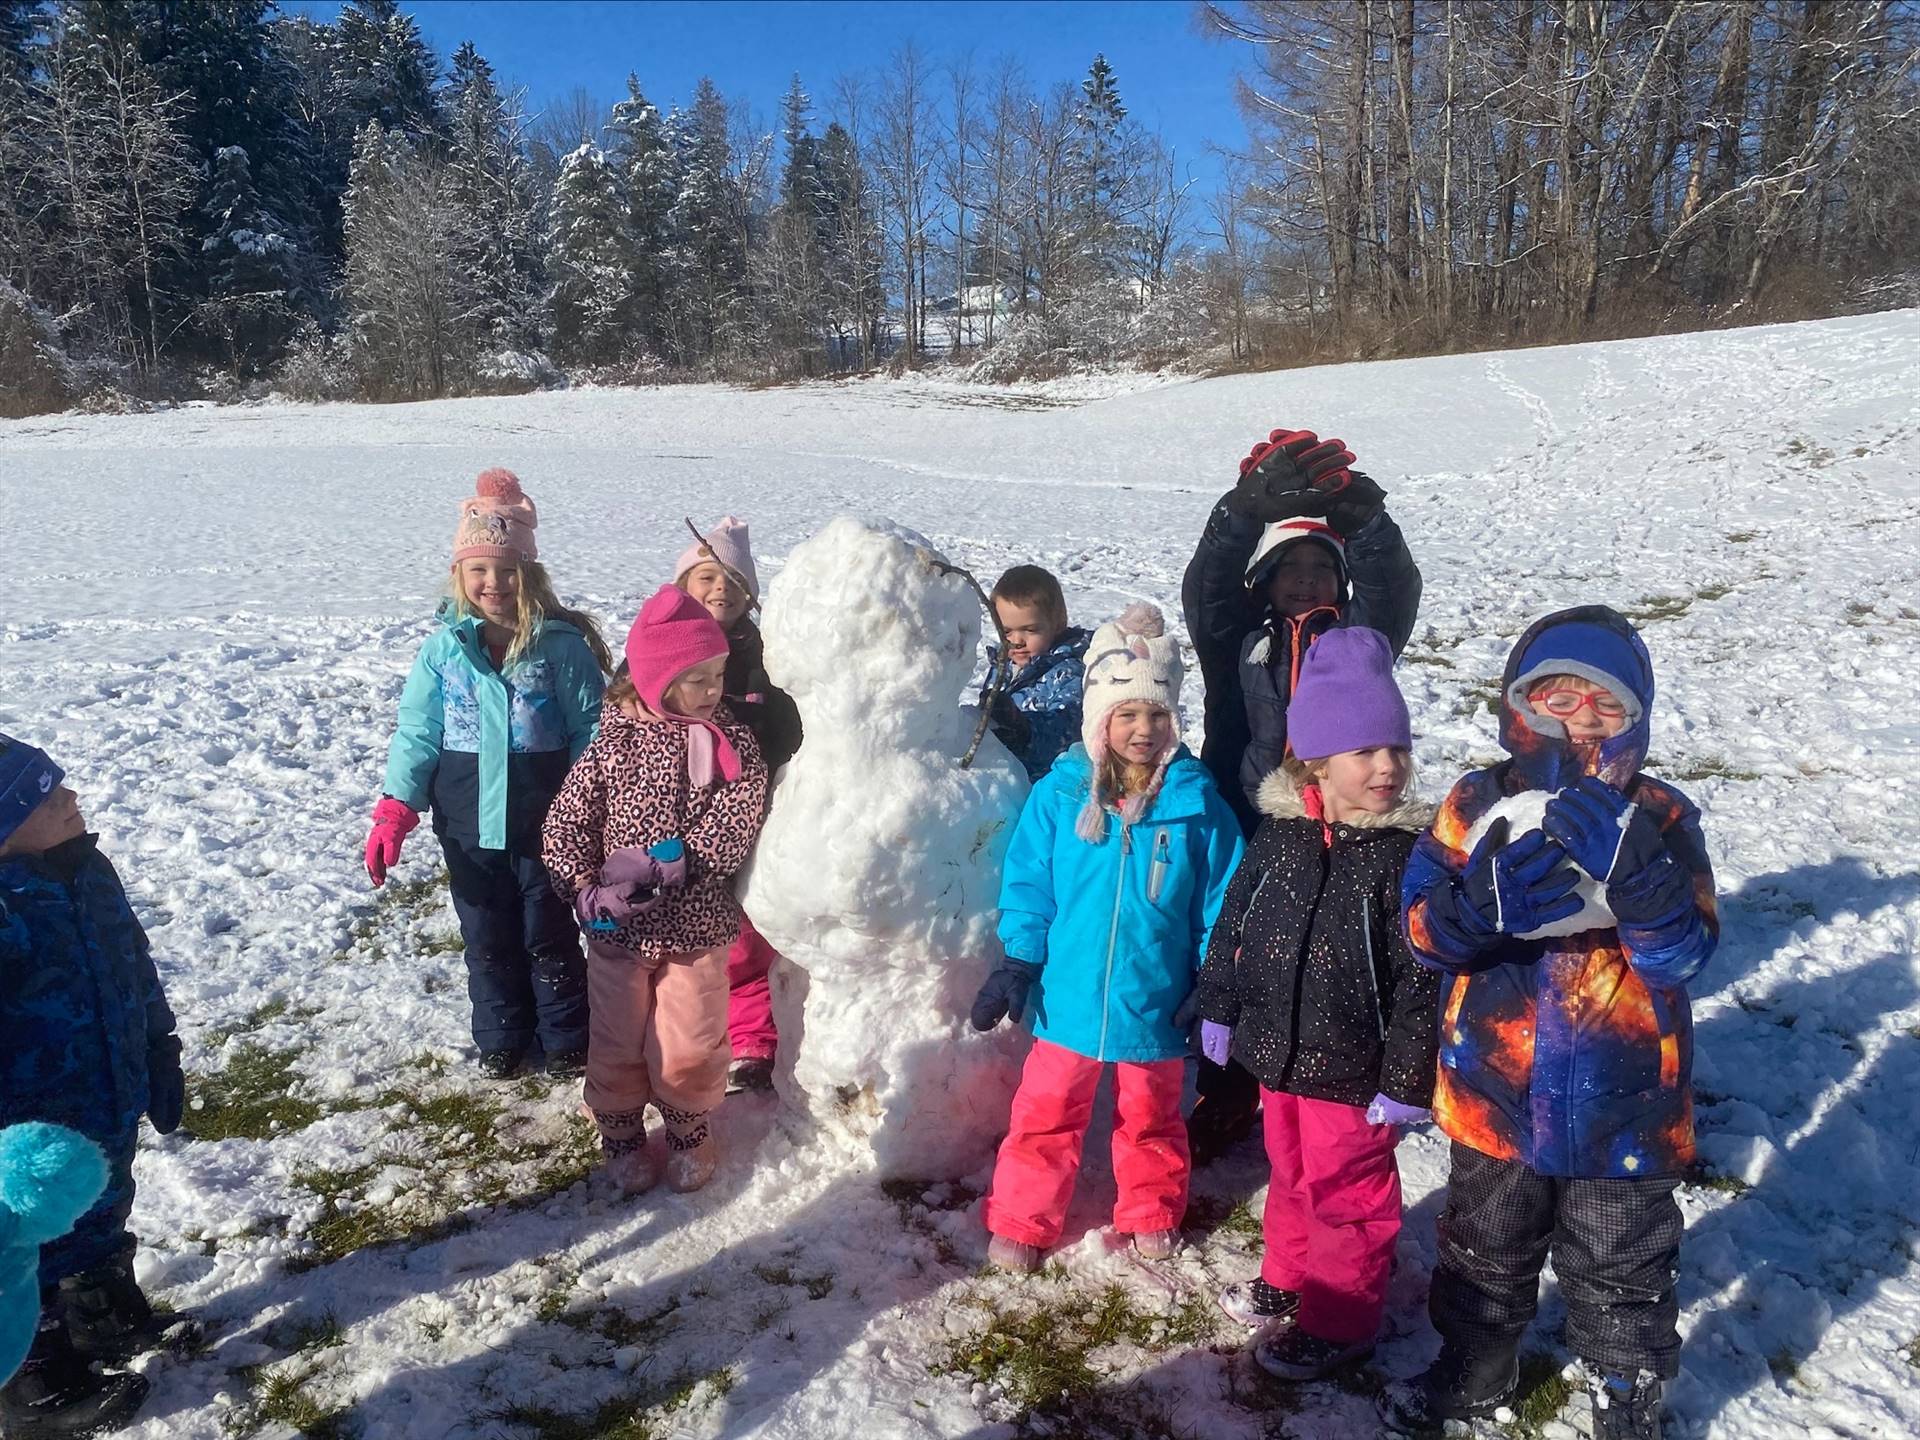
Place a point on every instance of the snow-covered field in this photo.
(207, 617)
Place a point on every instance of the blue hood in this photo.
(1599, 644)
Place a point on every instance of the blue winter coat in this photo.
(1047, 693)
(1118, 929)
(486, 750)
(80, 1007)
(1574, 1055)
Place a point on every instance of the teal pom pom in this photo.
(49, 1177)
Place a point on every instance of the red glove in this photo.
(392, 822)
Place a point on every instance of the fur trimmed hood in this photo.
(1280, 798)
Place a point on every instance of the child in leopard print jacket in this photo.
(644, 837)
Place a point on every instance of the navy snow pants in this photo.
(526, 975)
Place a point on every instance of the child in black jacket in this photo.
(1309, 984)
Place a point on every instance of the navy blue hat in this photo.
(27, 777)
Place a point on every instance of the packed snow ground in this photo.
(208, 615)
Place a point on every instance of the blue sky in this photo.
(1172, 77)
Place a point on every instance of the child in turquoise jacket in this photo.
(500, 703)
(1113, 880)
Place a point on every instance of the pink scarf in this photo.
(706, 743)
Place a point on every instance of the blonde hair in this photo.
(535, 604)
(1303, 772)
(1118, 778)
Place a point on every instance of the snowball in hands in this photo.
(878, 872)
(1524, 812)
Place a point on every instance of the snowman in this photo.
(1524, 812)
(878, 872)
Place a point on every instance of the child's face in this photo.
(1031, 630)
(1367, 782)
(710, 584)
(54, 821)
(1590, 712)
(492, 587)
(696, 694)
(1306, 578)
(1138, 732)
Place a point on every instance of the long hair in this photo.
(536, 604)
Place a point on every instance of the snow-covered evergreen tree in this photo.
(642, 151)
(709, 248)
(589, 261)
(492, 192)
(252, 267)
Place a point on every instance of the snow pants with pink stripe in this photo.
(1333, 1213)
(750, 996)
(1040, 1158)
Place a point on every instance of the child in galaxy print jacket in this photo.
(1566, 1041)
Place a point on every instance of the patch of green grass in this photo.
(637, 1415)
(1699, 1176)
(1743, 537)
(1912, 1352)
(258, 1019)
(324, 1332)
(1660, 607)
(281, 1397)
(1785, 1366)
(1543, 1393)
(1242, 1221)
(1710, 767)
(251, 1097)
(818, 1287)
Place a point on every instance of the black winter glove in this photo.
(1004, 995)
(1010, 723)
(1278, 479)
(166, 1084)
(1353, 500)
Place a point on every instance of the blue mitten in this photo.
(1506, 889)
(1618, 843)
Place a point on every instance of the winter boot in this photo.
(108, 1318)
(1457, 1386)
(57, 1393)
(623, 1141)
(1292, 1354)
(753, 1073)
(1015, 1256)
(1217, 1124)
(1625, 1407)
(1260, 1306)
(567, 1064)
(501, 1064)
(691, 1153)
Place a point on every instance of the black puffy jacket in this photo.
(768, 710)
(1308, 963)
(1246, 697)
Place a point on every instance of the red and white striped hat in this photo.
(1282, 533)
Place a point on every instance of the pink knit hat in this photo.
(672, 634)
(497, 522)
(726, 543)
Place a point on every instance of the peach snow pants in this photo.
(1040, 1158)
(657, 1031)
(1333, 1213)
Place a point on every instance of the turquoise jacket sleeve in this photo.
(1027, 904)
(581, 689)
(414, 753)
(1224, 848)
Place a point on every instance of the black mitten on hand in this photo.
(1004, 995)
(166, 1084)
(1279, 478)
(1355, 501)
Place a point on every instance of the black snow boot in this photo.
(1457, 1386)
(58, 1394)
(107, 1316)
(1625, 1407)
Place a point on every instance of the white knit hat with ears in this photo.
(1130, 660)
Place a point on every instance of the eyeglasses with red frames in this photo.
(1565, 704)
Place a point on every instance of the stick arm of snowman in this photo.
(1002, 670)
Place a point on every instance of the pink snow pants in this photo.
(749, 996)
(1333, 1213)
(1039, 1159)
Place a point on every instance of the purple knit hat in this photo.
(1345, 698)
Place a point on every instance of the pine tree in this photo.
(852, 254)
(253, 267)
(590, 261)
(709, 254)
(792, 262)
(1104, 180)
(492, 193)
(643, 153)
(387, 69)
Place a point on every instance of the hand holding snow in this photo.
(1524, 812)
(878, 872)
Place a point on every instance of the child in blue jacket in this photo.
(86, 1041)
(1038, 715)
(1114, 878)
(500, 703)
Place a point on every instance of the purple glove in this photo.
(1385, 1110)
(630, 883)
(1216, 1041)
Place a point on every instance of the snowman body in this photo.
(1525, 812)
(877, 875)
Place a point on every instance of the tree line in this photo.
(207, 194)
(206, 183)
(1438, 168)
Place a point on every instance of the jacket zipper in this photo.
(1157, 872)
(1113, 937)
(1373, 976)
